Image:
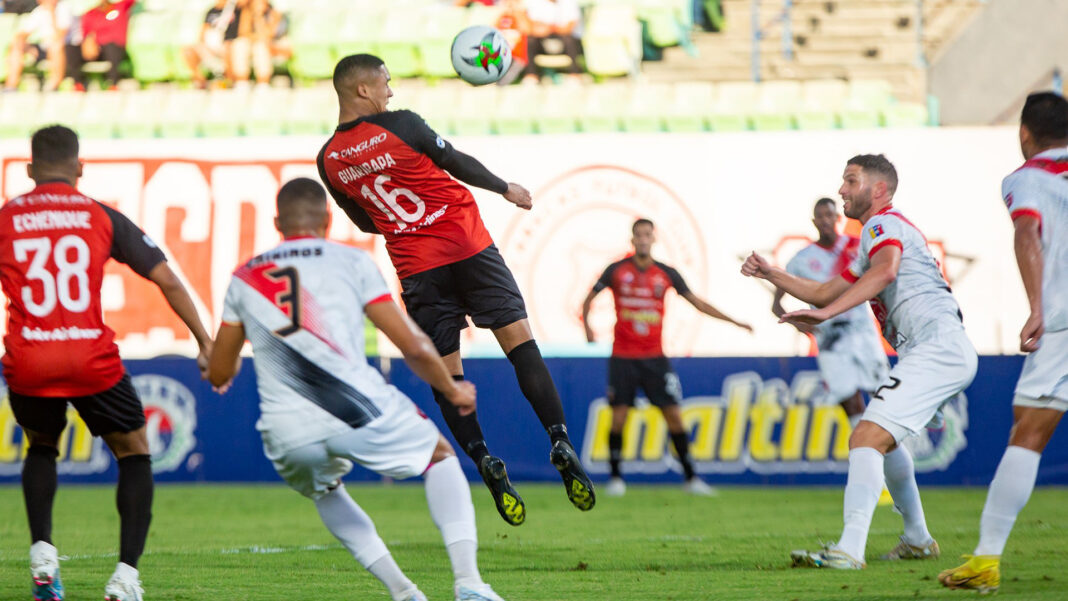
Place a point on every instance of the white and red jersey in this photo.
(301, 305)
(822, 263)
(54, 242)
(1040, 189)
(918, 303)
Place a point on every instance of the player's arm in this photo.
(586, 304)
(182, 304)
(815, 293)
(354, 211)
(885, 264)
(420, 354)
(1027, 242)
(705, 307)
(225, 359)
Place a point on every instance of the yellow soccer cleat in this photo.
(885, 498)
(980, 573)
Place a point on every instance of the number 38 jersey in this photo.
(390, 173)
(54, 242)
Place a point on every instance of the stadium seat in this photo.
(859, 118)
(310, 34)
(188, 24)
(821, 99)
(689, 107)
(100, 114)
(870, 93)
(471, 115)
(359, 28)
(612, 40)
(14, 109)
(734, 102)
(141, 114)
(266, 108)
(778, 102)
(515, 108)
(56, 107)
(905, 114)
(312, 111)
(603, 108)
(178, 118)
(480, 14)
(396, 44)
(645, 108)
(224, 113)
(559, 109)
(436, 105)
(662, 26)
(439, 26)
(150, 47)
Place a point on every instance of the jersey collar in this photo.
(885, 209)
(56, 185)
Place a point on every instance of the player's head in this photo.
(302, 209)
(1043, 123)
(54, 155)
(363, 80)
(869, 181)
(825, 217)
(643, 234)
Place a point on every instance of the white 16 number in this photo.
(395, 210)
(58, 286)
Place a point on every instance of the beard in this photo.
(858, 205)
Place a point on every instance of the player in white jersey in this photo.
(851, 357)
(301, 305)
(897, 272)
(1036, 195)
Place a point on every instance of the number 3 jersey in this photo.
(389, 172)
(301, 305)
(54, 242)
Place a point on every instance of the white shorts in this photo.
(1043, 382)
(926, 376)
(398, 444)
(854, 361)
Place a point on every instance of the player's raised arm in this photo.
(420, 354)
(810, 291)
(883, 271)
(1027, 242)
(705, 307)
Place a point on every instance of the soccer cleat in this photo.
(616, 487)
(698, 487)
(479, 591)
(981, 573)
(906, 550)
(885, 498)
(578, 484)
(509, 503)
(416, 595)
(44, 568)
(825, 558)
(123, 589)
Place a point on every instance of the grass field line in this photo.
(251, 550)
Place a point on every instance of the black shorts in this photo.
(439, 300)
(655, 376)
(117, 409)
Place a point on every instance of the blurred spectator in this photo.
(17, 6)
(103, 37)
(514, 25)
(260, 37)
(470, 2)
(215, 48)
(553, 23)
(41, 35)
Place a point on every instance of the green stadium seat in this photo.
(779, 100)
(859, 118)
(870, 93)
(100, 114)
(646, 107)
(141, 114)
(224, 113)
(602, 110)
(397, 44)
(821, 99)
(187, 27)
(471, 116)
(150, 48)
(689, 107)
(312, 111)
(612, 41)
(515, 108)
(266, 108)
(15, 112)
(178, 118)
(905, 114)
(559, 109)
(311, 34)
(57, 108)
(358, 32)
(734, 103)
(662, 26)
(480, 14)
(440, 25)
(436, 105)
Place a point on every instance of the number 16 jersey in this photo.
(54, 242)
(391, 170)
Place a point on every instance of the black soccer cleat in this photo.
(509, 503)
(578, 484)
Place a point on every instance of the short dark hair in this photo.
(879, 165)
(298, 191)
(353, 66)
(641, 221)
(54, 145)
(1045, 115)
(825, 201)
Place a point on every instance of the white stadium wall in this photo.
(714, 198)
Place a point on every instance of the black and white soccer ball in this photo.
(481, 55)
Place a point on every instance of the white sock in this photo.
(900, 475)
(863, 486)
(126, 572)
(449, 497)
(1012, 485)
(354, 528)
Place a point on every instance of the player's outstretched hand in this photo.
(203, 360)
(519, 196)
(744, 326)
(807, 317)
(463, 397)
(1031, 334)
(756, 266)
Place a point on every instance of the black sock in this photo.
(133, 497)
(615, 452)
(537, 385)
(681, 441)
(39, 490)
(464, 428)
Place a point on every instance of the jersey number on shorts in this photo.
(877, 394)
(287, 300)
(69, 285)
(386, 198)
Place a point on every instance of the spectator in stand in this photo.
(103, 33)
(557, 22)
(215, 48)
(260, 37)
(17, 6)
(514, 25)
(41, 35)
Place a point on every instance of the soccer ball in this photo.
(480, 55)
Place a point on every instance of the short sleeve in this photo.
(1021, 191)
(231, 313)
(677, 282)
(879, 232)
(605, 281)
(793, 267)
(131, 245)
(370, 285)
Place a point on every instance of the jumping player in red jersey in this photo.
(54, 243)
(639, 284)
(392, 175)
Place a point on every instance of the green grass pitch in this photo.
(266, 543)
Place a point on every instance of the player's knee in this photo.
(870, 434)
(123, 444)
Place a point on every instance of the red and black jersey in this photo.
(53, 245)
(390, 173)
(639, 296)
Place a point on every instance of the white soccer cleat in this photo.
(44, 567)
(616, 487)
(825, 558)
(124, 585)
(416, 595)
(698, 487)
(478, 591)
(907, 550)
